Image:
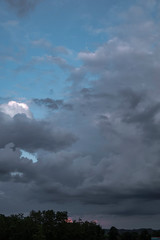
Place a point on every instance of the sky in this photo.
(80, 109)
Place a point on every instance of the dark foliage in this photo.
(122, 234)
(47, 225)
(50, 225)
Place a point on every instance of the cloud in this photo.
(46, 59)
(62, 50)
(102, 184)
(113, 168)
(19, 170)
(48, 102)
(12, 108)
(42, 43)
(116, 112)
(22, 7)
(31, 135)
(61, 62)
(48, 46)
(148, 120)
(53, 104)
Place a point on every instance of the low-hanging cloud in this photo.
(30, 134)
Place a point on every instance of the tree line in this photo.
(51, 225)
(135, 234)
(47, 225)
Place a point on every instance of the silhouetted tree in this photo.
(113, 233)
(145, 235)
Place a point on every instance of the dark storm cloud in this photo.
(22, 7)
(147, 120)
(133, 98)
(91, 94)
(52, 104)
(103, 184)
(14, 168)
(118, 171)
(147, 115)
(128, 175)
(94, 185)
(30, 134)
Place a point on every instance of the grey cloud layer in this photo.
(14, 168)
(31, 135)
